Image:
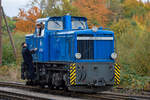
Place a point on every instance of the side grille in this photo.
(86, 47)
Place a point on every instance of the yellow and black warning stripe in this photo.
(73, 74)
(117, 74)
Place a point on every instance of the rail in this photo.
(109, 95)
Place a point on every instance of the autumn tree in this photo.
(115, 6)
(48, 7)
(55, 7)
(26, 19)
(94, 10)
(133, 7)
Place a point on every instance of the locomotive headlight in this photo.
(78, 55)
(114, 55)
(94, 29)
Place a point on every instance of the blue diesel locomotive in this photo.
(71, 55)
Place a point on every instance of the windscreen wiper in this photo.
(57, 23)
(82, 24)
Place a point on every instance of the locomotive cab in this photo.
(72, 55)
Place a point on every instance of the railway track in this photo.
(99, 96)
(18, 96)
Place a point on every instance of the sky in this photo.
(11, 7)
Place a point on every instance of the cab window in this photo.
(76, 24)
(55, 25)
(40, 29)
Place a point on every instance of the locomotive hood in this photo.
(90, 31)
(87, 31)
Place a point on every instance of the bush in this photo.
(8, 57)
(133, 47)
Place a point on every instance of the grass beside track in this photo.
(10, 69)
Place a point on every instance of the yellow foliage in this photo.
(121, 27)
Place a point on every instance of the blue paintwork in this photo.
(68, 26)
(61, 45)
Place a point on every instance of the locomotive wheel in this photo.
(42, 86)
(29, 83)
(66, 88)
(50, 86)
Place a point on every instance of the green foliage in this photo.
(121, 27)
(133, 7)
(136, 48)
(116, 8)
(134, 56)
(130, 79)
(68, 8)
(11, 24)
(56, 7)
(8, 57)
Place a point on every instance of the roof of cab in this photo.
(79, 17)
(42, 20)
(46, 19)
